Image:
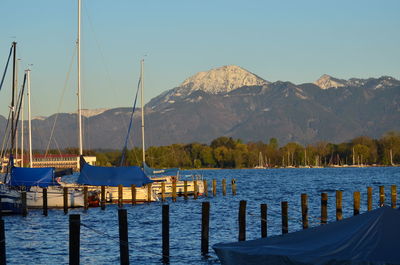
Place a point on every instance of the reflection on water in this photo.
(44, 240)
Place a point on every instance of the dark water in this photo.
(44, 240)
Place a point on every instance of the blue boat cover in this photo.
(112, 176)
(160, 172)
(25, 176)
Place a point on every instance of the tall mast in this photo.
(78, 43)
(142, 105)
(28, 75)
(13, 98)
(16, 122)
(22, 130)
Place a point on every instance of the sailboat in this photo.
(94, 177)
(169, 176)
(261, 164)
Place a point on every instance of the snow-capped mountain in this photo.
(327, 81)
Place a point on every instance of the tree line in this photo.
(226, 152)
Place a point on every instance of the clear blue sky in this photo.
(295, 41)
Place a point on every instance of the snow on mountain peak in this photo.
(221, 80)
(327, 81)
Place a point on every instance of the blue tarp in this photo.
(25, 176)
(112, 176)
(160, 172)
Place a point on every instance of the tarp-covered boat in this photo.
(371, 238)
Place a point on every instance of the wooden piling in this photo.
(205, 227)
(24, 205)
(196, 190)
(356, 204)
(174, 191)
(339, 211)
(285, 218)
(74, 238)
(214, 187)
(165, 233)
(133, 194)
(45, 208)
(123, 236)
(205, 184)
(263, 208)
(242, 220)
(304, 210)
(120, 195)
(224, 187)
(149, 192)
(3, 260)
(394, 196)
(381, 196)
(163, 191)
(65, 194)
(85, 198)
(185, 189)
(369, 198)
(103, 198)
(324, 208)
(233, 183)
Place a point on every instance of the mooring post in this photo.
(103, 198)
(24, 205)
(120, 189)
(45, 210)
(263, 208)
(205, 224)
(304, 210)
(205, 187)
(369, 198)
(74, 238)
(149, 192)
(3, 259)
(233, 182)
(123, 236)
(163, 191)
(324, 208)
(185, 189)
(242, 220)
(356, 204)
(214, 187)
(285, 218)
(381, 196)
(339, 211)
(394, 196)
(133, 194)
(85, 198)
(174, 191)
(224, 187)
(165, 233)
(196, 190)
(65, 194)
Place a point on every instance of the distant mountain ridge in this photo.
(230, 101)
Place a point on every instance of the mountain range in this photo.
(231, 101)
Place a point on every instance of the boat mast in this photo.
(142, 105)
(28, 76)
(78, 43)
(22, 130)
(12, 100)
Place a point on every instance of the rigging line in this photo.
(19, 101)
(5, 70)
(6, 135)
(130, 124)
(60, 102)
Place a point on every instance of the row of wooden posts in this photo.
(75, 223)
(133, 194)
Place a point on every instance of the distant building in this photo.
(56, 161)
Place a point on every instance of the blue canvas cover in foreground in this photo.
(25, 176)
(112, 176)
(160, 172)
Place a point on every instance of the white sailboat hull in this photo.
(55, 197)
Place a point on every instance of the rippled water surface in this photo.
(44, 240)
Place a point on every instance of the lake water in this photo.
(44, 240)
